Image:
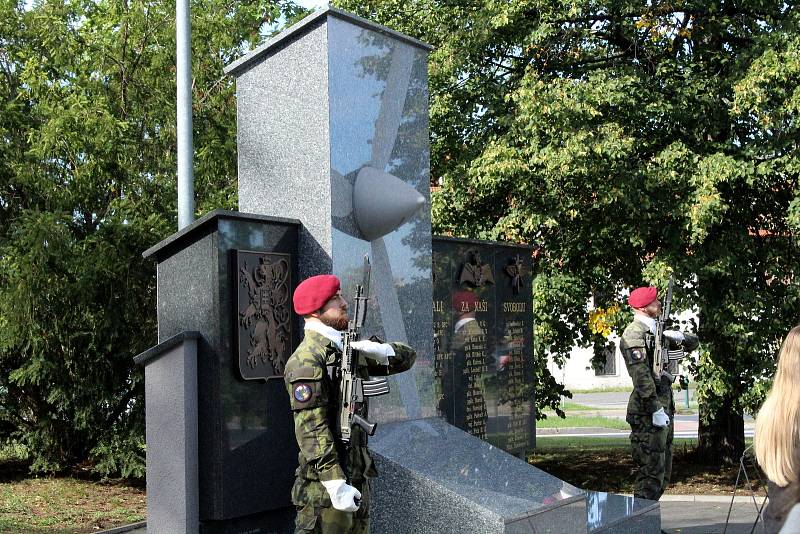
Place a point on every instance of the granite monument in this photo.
(333, 153)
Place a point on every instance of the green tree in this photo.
(87, 183)
(627, 139)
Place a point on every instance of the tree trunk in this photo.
(722, 439)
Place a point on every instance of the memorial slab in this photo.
(483, 329)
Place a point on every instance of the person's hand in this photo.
(379, 352)
(675, 335)
(660, 418)
(344, 497)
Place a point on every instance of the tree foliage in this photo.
(627, 140)
(87, 183)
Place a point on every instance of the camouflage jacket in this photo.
(650, 392)
(313, 395)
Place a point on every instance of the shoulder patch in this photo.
(637, 355)
(307, 394)
(302, 392)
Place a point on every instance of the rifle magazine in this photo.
(373, 388)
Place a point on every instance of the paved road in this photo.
(705, 517)
(614, 403)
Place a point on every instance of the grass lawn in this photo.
(581, 421)
(569, 406)
(63, 505)
(68, 505)
(616, 389)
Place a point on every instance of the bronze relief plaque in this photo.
(474, 271)
(263, 319)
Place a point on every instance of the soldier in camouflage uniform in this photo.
(331, 489)
(651, 406)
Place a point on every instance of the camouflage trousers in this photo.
(315, 513)
(652, 453)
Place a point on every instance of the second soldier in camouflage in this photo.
(332, 485)
(651, 407)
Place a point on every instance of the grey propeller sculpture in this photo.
(381, 203)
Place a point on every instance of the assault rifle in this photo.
(661, 356)
(352, 389)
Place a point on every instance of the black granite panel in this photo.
(466, 365)
(255, 422)
(514, 414)
(247, 453)
(483, 336)
(272, 522)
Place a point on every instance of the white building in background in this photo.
(578, 373)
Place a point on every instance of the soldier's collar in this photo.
(333, 335)
(649, 322)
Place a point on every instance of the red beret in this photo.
(312, 293)
(642, 296)
(464, 297)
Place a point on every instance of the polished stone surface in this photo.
(469, 481)
(344, 99)
(283, 142)
(296, 31)
(612, 513)
(171, 432)
(493, 401)
(379, 119)
(450, 481)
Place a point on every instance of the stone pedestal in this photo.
(170, 378)
(244, 448)
(436, 478)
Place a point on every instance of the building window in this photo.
(605, 360)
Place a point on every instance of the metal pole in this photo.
(184, 111)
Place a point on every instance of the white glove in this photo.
(380, 352)
(343, 495)
(675, 335)
(660, 419)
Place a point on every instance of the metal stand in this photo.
(743, 471)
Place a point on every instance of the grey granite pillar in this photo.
(171, 429)
(332, 119)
